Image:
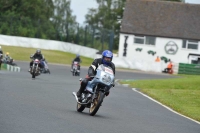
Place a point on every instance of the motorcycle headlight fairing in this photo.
(106, 79)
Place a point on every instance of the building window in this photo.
(145, 40)
(150, 40)
(139, 39)
(190, 44)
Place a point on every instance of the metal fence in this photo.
(89, 36)
(192, 69)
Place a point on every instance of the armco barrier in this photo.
(193, 69)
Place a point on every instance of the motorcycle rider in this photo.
(1, 51)
(38, 56)
(1, 56)
(7, 57)
(77, 59)
(106, 59)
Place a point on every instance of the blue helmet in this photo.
(108, 54)
(77, 55)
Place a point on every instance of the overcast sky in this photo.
(80, 7)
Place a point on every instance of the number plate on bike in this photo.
(109, 71)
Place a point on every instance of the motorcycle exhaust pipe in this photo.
(74, 94)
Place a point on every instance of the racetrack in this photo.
(46, 105)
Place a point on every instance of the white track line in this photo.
(134, 89)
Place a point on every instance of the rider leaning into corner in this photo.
(77, 59)
(38, 56)
(106, 59)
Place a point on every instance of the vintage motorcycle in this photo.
(1, 58)
(35, 69)
(96, 90)
(9, 61)
(76, 68)
(45, 69)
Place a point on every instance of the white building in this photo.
(170, 30)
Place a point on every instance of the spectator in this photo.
(157, 59)
(7, 57)
(169, 68)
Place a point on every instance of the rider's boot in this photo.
(29, 69)
(80, 91)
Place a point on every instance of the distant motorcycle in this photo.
(9, 61)
(45, 68)
(96, 90)
(35, 69)
(1, 57)
(76, 68)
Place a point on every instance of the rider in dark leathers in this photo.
(106, 59)
(77, 59)
(38, 56)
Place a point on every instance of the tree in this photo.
(35, 18)
(110, 19)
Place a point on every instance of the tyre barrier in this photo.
(11, 68)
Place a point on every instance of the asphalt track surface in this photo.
(46, 105)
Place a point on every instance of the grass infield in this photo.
(180, 94)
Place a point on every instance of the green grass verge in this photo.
(52, 56)
(3, 66)
(181, 94)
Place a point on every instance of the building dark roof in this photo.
(162, 18)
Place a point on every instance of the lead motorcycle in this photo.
(96, 90)
(35, 69)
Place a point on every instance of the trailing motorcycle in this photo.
(35, 69)
(1, 58)
(45, 68)
(96, 90)
(9, 61)
(76, 68)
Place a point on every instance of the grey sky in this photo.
(80, 7)
(193, 1)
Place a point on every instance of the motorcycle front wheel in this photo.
(96, 103)
(80, 107)
(33, 73)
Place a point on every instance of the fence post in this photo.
(67, 39)
(77, 35)
(93, 30)
(11, 18)
(85, 39)
(111, 41)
